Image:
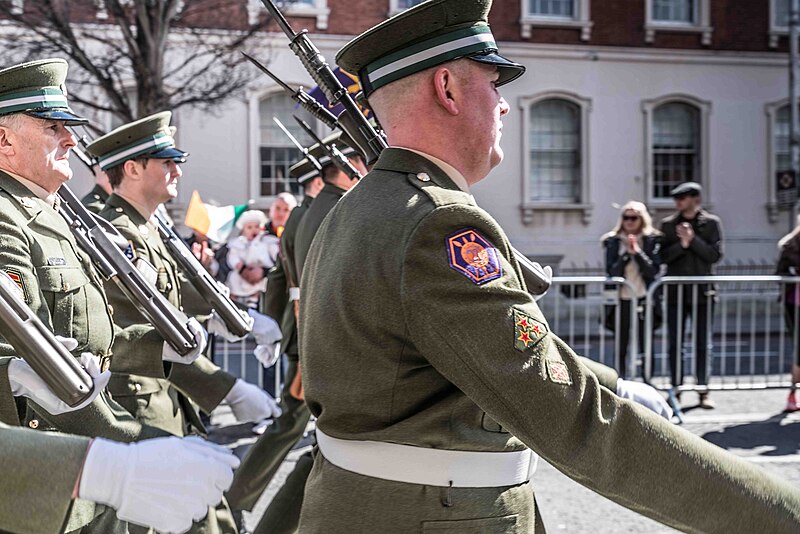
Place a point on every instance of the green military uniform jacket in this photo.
(65, 292)
(155, 400)
(406, 339)
(324, 202)
(277, 305)
(95, 200)
(39, 473)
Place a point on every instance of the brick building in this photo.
(623, 99)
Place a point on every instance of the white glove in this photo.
(163, 483)
(267, 354)
(549, 272)
(217, 326)
(250, 403)
(645, 395)
(265, 329)
(168, 354)
(25, 382)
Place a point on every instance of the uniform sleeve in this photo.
(489, 338)
(203, 382)
(39, 473)
(277, 296)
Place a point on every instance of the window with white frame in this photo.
(678, 16)
(276, 151)
(675, 147)
(779, 158)
(555, 170)
(556, 13)
(554, 151)
(779, 14)
(782, 128)
(298, 8)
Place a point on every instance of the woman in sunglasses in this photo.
(632, 252)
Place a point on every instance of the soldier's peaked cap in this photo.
(304, 170)
(426, 35)
(37, 88)
(151, 137)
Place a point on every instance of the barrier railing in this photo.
(237, 359)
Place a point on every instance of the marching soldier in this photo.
(434, 376)
(143, 167)
(39, 252)
(266, 455)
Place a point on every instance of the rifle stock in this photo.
(202, 281)
(39, 347)
(113, 264)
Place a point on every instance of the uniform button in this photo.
(423, 177)
(169, 287)
(34, 423)
(110, 309)
(67, 286)
(137, 387)
(119, 210)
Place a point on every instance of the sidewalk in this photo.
(746, 423)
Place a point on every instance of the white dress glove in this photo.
(217, 326)
(163, 483)
(25, 382)
(645, 395)
(168, 354)
(265, 329)
(250, 403)
(267, 354)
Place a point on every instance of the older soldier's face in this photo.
(41, 152)
(485, 114)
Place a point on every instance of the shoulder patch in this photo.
(473, 256)
(558, 372)
(17, 278)
(130, 251)
(527, 331)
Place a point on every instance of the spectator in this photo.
(692, 244)
(789, 265)
(632, 253)
(246, 253)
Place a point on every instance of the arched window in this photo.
(675, 146)
(276, 151)
(555, 151)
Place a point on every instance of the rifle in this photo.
(353, 122)
(337, 158)
(306, 152)
(194, 270)
(202, 281)
(90, 232)
(38, 346)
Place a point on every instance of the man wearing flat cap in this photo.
(265, 457)
(434, 376)
(55, 276)
(143, 167)
(691, 245)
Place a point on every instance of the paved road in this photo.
(746, 423)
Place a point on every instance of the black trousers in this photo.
(681, 306)
(625, 334)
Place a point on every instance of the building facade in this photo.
(623, 99)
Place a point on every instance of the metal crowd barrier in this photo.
(237, 359)
(748, 345)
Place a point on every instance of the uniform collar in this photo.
(128, 208)
(38, 191)
(451, 171)
(99, 193)
(409, 162)
(141, 210)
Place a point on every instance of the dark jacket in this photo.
(789, 265)
(704, 251)
(649, 258)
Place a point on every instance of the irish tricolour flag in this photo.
(216, 222)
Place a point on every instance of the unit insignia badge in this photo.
(473, 256)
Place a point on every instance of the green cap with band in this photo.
(426, 35)
(304, 170)
(37, 88)
(151, 137)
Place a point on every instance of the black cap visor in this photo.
(58, 115)
(509, 70)
(169, 153)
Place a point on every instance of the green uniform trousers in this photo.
(282, 516)
(266, 455)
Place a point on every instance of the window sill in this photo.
(527, 23)
(305, 10)
(775, 34)
(530, 208)
(653, 27)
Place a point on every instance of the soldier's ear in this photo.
(131, 169)
(6, 144)
(444, 84)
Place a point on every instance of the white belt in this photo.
(429, 467)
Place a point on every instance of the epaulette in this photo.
(440, 196)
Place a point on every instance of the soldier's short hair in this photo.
(117, 172)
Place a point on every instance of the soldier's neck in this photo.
(142, 205)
